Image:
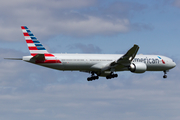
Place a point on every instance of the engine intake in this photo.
(138, 67)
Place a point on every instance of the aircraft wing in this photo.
(128, 57)
(123, 61)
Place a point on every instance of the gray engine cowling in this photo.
(138, 67)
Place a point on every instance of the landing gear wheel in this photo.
(165, 76)
(89, 79)
(111, 76)
(108, 77)
(115, 75)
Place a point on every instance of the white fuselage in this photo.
(96, 62)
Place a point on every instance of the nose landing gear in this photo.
(165, 76)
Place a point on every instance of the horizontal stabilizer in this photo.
(13, 58)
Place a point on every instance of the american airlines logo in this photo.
(161, 59)
(149, 60)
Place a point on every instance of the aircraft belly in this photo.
(76, 66)
(53, 65)
(69, 66)
(121, 68)
(156, 67)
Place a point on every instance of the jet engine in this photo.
(138, 67)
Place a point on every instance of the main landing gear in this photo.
(93, 77)
(112, 75)
(165, 76)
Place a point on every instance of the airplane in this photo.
(98, 65)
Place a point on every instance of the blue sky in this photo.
(31, 92)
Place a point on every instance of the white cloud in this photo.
(61, 4)
(85, 48)
(78, 100)
(72, 18)
(94, 25)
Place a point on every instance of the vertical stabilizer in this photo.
(35, 47)
(37, 50)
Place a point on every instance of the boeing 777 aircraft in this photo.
(104, 65)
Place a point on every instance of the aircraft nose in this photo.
(173, 64)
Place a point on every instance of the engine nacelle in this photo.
(138, 67)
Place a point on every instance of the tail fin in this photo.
(35, 47)
(39, 53)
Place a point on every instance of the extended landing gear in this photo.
(111, 76)
(93, 77)
(165, 76)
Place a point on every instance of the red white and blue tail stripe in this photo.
(37, 49)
